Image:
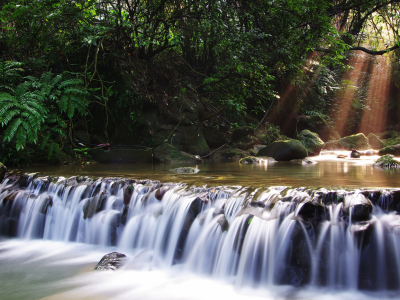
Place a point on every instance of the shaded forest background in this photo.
(134, 72)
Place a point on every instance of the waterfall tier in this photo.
(252, 237)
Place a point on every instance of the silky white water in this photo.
(195, 242)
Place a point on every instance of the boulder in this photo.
(214, 138)
(169, 154)
(374, 141)
(311, 142)
(387, 162)
(358, 206)
(356, 141)
(394, 150)
(3, 170)
(284, 150)
(315, 124)
(111, 261)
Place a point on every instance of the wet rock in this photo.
(284, 150)
(312, 212)
(161, 192)
(169, 154)
(355, 154)
(93, 205)
(185, 170)
(311, 142)
(128, 191)
(249, 160)
(358, 206)
(362, 232)
(111, 261)
(223, 223)
(257, 204)
(45, 203)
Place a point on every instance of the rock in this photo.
(284, 150)
(169, 154)
(387, 162)
(93, 205)
(356, 141)
(269, 135)
(315, 124)
(249, 160)
(266, 159)
(394, 150)
(359, 206)
(3, 170)
(374, 141)
(160, 192)
(355, 154)
(223, 223)
(311, 142)
(111, 261)
(341, 156)
(304, 161)
(128, 191)
(185, 170)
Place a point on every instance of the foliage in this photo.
(36, 110)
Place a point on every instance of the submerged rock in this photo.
(111, 261)
(284, 150)
(185, 170)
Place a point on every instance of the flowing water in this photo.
(279, 231)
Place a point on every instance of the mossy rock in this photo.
(356, 141)
(169, 154)
(185, 170)
(374, 141)
(311, 142)
(394, 150)
(387, 162)
(284, 150)
(249, 160)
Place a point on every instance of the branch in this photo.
(372, 52)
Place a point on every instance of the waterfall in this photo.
(248, 237)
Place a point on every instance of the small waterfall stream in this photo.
(248, 237)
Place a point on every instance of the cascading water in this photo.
(248, 237)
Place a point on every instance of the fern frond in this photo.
(12, 129)
(70, 82)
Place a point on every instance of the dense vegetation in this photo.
(97, 65)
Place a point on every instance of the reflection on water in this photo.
(328, 172)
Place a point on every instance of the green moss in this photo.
(310, 141)
(387, 162)
(356, 141)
